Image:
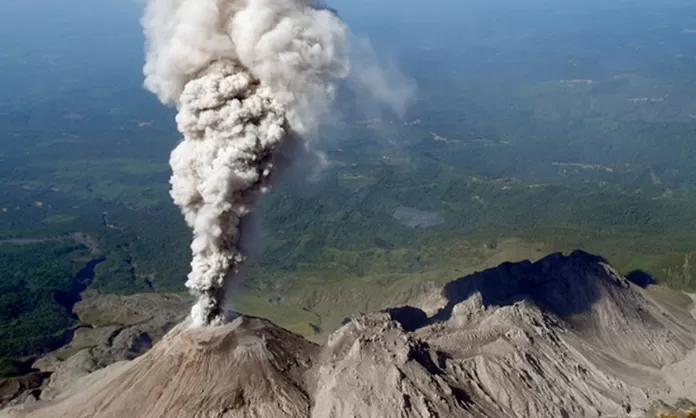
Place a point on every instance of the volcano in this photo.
(566, 336)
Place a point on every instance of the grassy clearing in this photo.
(671, 296)
(96, 317)
(288, 315)
(66, 353)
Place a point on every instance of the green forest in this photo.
(38, 288)
(522, 135)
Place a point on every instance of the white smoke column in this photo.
(247, 77)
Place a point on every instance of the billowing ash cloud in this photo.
(247, 77)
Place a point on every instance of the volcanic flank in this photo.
(563, 337)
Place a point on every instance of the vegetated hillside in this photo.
(39, 284)
(568, 128)
(563, 337)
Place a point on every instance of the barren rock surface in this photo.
(564, 337)
(247, 368)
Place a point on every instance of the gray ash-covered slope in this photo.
(564, 337)
(248, 368)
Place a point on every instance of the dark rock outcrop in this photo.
(18, 389)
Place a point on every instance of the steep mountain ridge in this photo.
(566, 336)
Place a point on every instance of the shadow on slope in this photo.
(558, 284)
(641, 278)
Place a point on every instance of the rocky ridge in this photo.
(566, 336)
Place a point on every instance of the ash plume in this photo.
(248, 77)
